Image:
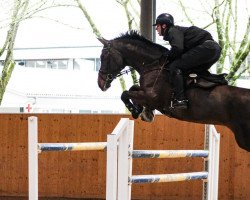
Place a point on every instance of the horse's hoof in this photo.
(136, 112)
(147, 115)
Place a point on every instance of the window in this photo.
(97, 64)
(40, 64)
(62, 64)
(51, 64)
(30, 63)
(76, 64)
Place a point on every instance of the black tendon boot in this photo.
(180, 101)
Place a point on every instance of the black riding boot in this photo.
(180, 101)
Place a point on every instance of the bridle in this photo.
(108, 75)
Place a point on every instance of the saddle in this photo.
(205, 80)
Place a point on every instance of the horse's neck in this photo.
(136, 56)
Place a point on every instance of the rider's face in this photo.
(159, 28)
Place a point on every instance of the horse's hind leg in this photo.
(242, 134)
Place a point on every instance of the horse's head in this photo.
(111, 64)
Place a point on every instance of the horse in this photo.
(220, 104)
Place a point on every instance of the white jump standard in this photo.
(120, 153)
(125, 179)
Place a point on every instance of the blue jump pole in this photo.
(169, 153)
(157, 178)
(43, 147)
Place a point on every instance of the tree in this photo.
(19, 9)
(224, 16)
(132, 19)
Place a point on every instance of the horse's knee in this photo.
(124, 96)
(134, 88)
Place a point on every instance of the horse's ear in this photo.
(103, 41)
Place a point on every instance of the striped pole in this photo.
(43, 147)
(158, 178)
(169, 153)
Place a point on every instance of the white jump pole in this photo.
(33, 158)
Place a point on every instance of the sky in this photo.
(72, 29)
(109, 17)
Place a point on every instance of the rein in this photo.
(110, 76)
(160, 71)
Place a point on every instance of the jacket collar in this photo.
(166, 33)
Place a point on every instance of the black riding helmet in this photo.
(164, 18)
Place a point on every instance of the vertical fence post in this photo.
(111, 176)
(33, 158)
(119, 143)
(130, 150)
(211, 164)
(123, 164)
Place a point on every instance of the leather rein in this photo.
(111, 75)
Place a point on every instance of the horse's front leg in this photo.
(147, 114)
(133, 108)
(139, 99)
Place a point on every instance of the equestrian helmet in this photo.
(164, 18)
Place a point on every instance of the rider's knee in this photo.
(174, 70)
(178, 71)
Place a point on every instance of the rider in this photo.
(192, 49)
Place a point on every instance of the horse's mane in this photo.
(135, 35)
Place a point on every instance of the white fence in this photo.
(120, 153)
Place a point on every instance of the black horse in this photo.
(219, 105)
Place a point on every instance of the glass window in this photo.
(84, 111)
(52, 64)
(62, 64)
(97, 64)
(20, 63)
(40, 64)
(76, 64)
(30, 63)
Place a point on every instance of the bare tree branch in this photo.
(20, 8)
(184, 10)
